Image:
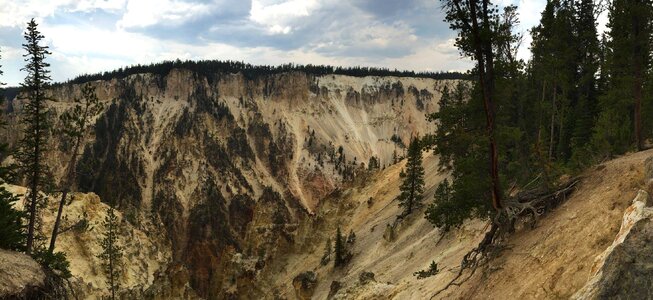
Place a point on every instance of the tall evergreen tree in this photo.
(468, 121)
(339, 250)
(73, 125)
(111, 252)
(326, 256)
(459, 141)
(586, 109)
(474, 21)
(12, 230)
(413, 179)
(36, 124)
(628, 57)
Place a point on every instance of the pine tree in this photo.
(373, 163)
(339, 250)
(474, 21)
(111, 252)
(459, 141)
(12, 230)
(326, 257)
(413, 179)
(73, 125)
(12, 235)
(628, 55)
(35, 117)
(589, 61)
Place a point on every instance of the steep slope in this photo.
(554, 260)
(230, 166)
(229, 187)
(145, 253)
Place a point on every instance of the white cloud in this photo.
(278, 17)
(107, 5)
(90, 41)
(529, 16)
(11, 52)
(142, 13)
(17, 13)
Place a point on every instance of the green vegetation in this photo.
(34, 144)
(340, 252)
(626, 100)
(462, 148)
(431, 271)
(212, 68)
(12, 230)
(111, 252)
(412, 187)
(55, 261)
(326, 257)
(521, 124)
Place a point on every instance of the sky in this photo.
(89, 36)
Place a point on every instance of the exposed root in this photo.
(531, 204)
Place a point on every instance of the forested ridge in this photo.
(580, 99)
(211, 68)
(507, 137)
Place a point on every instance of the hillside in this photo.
(554, 260)
(228, 166)
(229, 187)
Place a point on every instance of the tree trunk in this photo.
(70, 177)
(637, 83)
(36, 170)
(111, 279)
(484, 57)
(552, 127)
(560, 154)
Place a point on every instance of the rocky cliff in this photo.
(229, 187)
(230, 168)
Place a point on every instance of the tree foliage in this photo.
(111, 252)
(627, 69)
(341, 254)
(12, 229)
(34, 143)
(548, 114)
(412, 187)
(326, 256)
(212, 68)
(460, 142)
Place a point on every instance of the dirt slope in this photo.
(549, 262)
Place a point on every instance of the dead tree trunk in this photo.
(69, 179)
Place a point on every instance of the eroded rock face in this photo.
(625, 269)
(227, 165)
(145, 253)
(19, 275)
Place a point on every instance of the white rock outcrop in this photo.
(626, 260)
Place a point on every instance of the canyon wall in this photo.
(229, 167)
